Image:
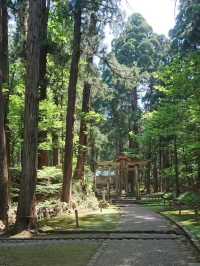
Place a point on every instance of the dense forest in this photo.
(66, 102)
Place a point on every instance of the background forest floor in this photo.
(187, 219)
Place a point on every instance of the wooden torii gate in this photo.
(127, 176)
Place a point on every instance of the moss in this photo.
(48, 255)
(107, 220)
(187, 219)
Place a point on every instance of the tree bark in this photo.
(3, 101)
(21, 29)
(83, 135)
(166, 165)
(26, 206)
(134, 127)
(148, 170)
(155, 175)
(42, 137)
(82, 150)
(55, 141)
(93, 154)
(68, 157)
(160, 166)
(176, 167)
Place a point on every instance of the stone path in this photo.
(158, 242)
(143, 238)
(138, 218)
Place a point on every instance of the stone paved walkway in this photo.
(138, 218)
(153, 250)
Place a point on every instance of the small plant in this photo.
(168, 196)
(103, 204)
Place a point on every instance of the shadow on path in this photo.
(154, 250)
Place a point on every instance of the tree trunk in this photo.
(83, 135)
(176, 167)
(148, 169)
(160, 166)
(3, 101)
(55, 141)
(82, 150)
(198, 171)
(26, 206)
(68, 157)
(155, 175)
(134, 127)
(42, 136)
(166, 165)
(21, 28)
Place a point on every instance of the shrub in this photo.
(168, 196)
(51, 175)
(103, 204)
(189, 198)
(47, 191)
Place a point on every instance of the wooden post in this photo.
(77, 219)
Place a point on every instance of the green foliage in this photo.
(93, 118)
(50, 174)
(139, 46)
(189, 198)
(185, 35)
(47, 191)
(140, 63)
(168, 196)
(103, 204)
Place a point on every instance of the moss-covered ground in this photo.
(108, 219)
(47, 255)
(51, 254)
(187, 219)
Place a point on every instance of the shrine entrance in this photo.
(121, 177)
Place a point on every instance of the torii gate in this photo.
(127, 174)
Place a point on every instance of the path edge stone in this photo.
(193, 240)
(98, 253)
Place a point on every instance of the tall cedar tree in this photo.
(26, 209)
(43, 154)
(3, 101)
(83, 135)
(82, 150)
(68, 155)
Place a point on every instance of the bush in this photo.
(103, 204)
(49, 183)
(15, 173)
(189, 198)
(51, 175)
(47, 191)
(168, 196)
(84, 197)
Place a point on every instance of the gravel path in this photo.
(159, 247)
